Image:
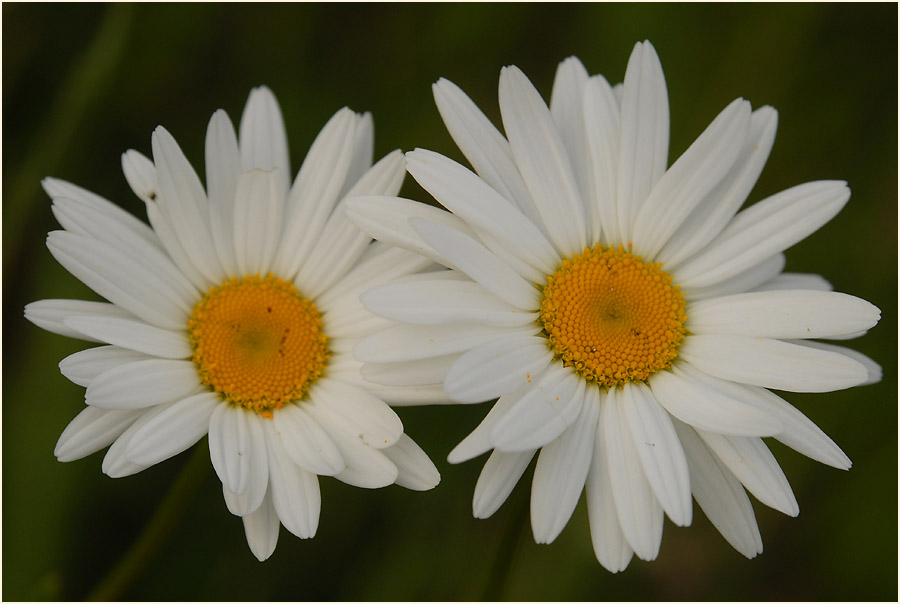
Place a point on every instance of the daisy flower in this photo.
(627, 317)
(234, 315)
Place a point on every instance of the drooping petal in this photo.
(261, 529)
(308, 445)
(702, 406)
(753, 464)
(543, 413)
(500, 474)
(640, 514)
(172, 431)
(294, 491)
(659, 450)
(720, 495)
(415, 470)
(92, 430)
(560, 473)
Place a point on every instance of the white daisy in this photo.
(235, 315)
(627, 316)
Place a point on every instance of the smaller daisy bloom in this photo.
(234, 315)
(627, 316)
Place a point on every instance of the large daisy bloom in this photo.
(234, 315)
(627, 317)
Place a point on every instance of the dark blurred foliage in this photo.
(82, 83)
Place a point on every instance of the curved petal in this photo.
(415, 470)
(499, 475)
(479, 440)
(173, 430)
(560, 474)
(85, 365)
(92, 430)
(143, 384)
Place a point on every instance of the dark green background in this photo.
(82, 83)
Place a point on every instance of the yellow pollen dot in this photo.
(257, 342)
(613, 317)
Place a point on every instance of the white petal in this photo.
(141, 175)
(783, 314)
(415, 469)
(601, 123)
(610, 546)
(799, 432)
(874, 369)
(92, 430)
(363, 150)
(413, 342)
(496, 367)
(560, 473)
(659, 450)
(258, 218)
(543, 161)
(693, 175)
(229, 449)
(644, 135)
(479, 263)
(308, 445)
(115, 463)
(363, 466)
(85, 365)
(315, 191)
(384, 178)
(640, 515)
(486, 149)
(772, 363)
(78, 217)
(120, 279)
(720, 495)
(566, 108)
(424, 372)
(294, 491)
(405, 396)
(134, 335)
(263, 138)
(753, 464)
(740, 283)
(479, 440)
(387, 219)
(541, 415)
(435, 302)
(51, 314)
(796, 281)
(720, 204)
(173, 430)
(223, 168)
(342, 243)
(163, 228)
(142, 384)
(483, 209)
(358, 412)
(56, 188)
(261, 529)
(700, 405)
(764, 229)
(500, 474)
(184, 204)
(231, 446)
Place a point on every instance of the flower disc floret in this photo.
(258, 342)
(613, 317)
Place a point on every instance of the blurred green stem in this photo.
(170, 511)
(85, 82)
(510, 540)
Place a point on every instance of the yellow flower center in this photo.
(257, 342)
(612, 316)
